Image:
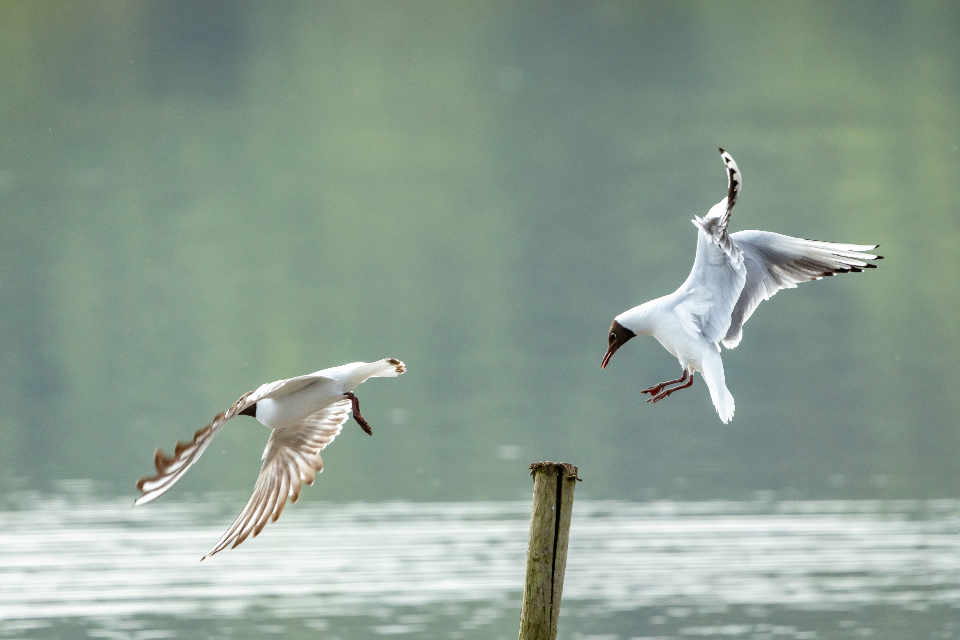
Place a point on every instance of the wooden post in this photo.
(553, 484)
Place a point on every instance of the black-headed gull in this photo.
(306, 413)
(732, 273)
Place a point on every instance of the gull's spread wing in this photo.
(171, 468)
(774, 261)
(713, 287)
(291, 458)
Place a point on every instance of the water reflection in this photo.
(659, 569)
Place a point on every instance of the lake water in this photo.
(75, 565)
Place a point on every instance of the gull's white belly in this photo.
(687, 350)
(288, 410)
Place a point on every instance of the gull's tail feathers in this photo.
(721, 396)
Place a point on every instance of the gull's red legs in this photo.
(657, 388)
(659, 392)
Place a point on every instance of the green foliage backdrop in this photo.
(198, 197)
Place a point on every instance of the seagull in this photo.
(732, 274)
(305, 413)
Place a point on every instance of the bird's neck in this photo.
(351, 375)
(641, 319)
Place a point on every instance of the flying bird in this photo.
(732, 274)
(305, 413)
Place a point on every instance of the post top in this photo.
(560, 468)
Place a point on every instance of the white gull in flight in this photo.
(306, 413)
(732, 273)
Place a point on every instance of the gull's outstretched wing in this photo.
(734, 185)
(774, 261)
(291, 458)
(713, 287)
(715, 223)
(171, 468)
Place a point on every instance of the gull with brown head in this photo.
(732, 274)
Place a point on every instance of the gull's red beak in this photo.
(607, 356)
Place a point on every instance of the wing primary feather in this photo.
(291, 459)
(776, 262)
(171, 468)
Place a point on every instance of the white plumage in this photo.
(732, 273)
(305, 413)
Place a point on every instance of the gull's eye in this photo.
(613, 336)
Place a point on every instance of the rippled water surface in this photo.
(73, 566)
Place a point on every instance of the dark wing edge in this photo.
(734, 183)
(715, 223)
(171, 468)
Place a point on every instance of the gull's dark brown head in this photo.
(618, 336)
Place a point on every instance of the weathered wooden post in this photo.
(553, 484)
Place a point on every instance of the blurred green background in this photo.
(197, 197)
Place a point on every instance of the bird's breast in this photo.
(681, 345)
(286, 411)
